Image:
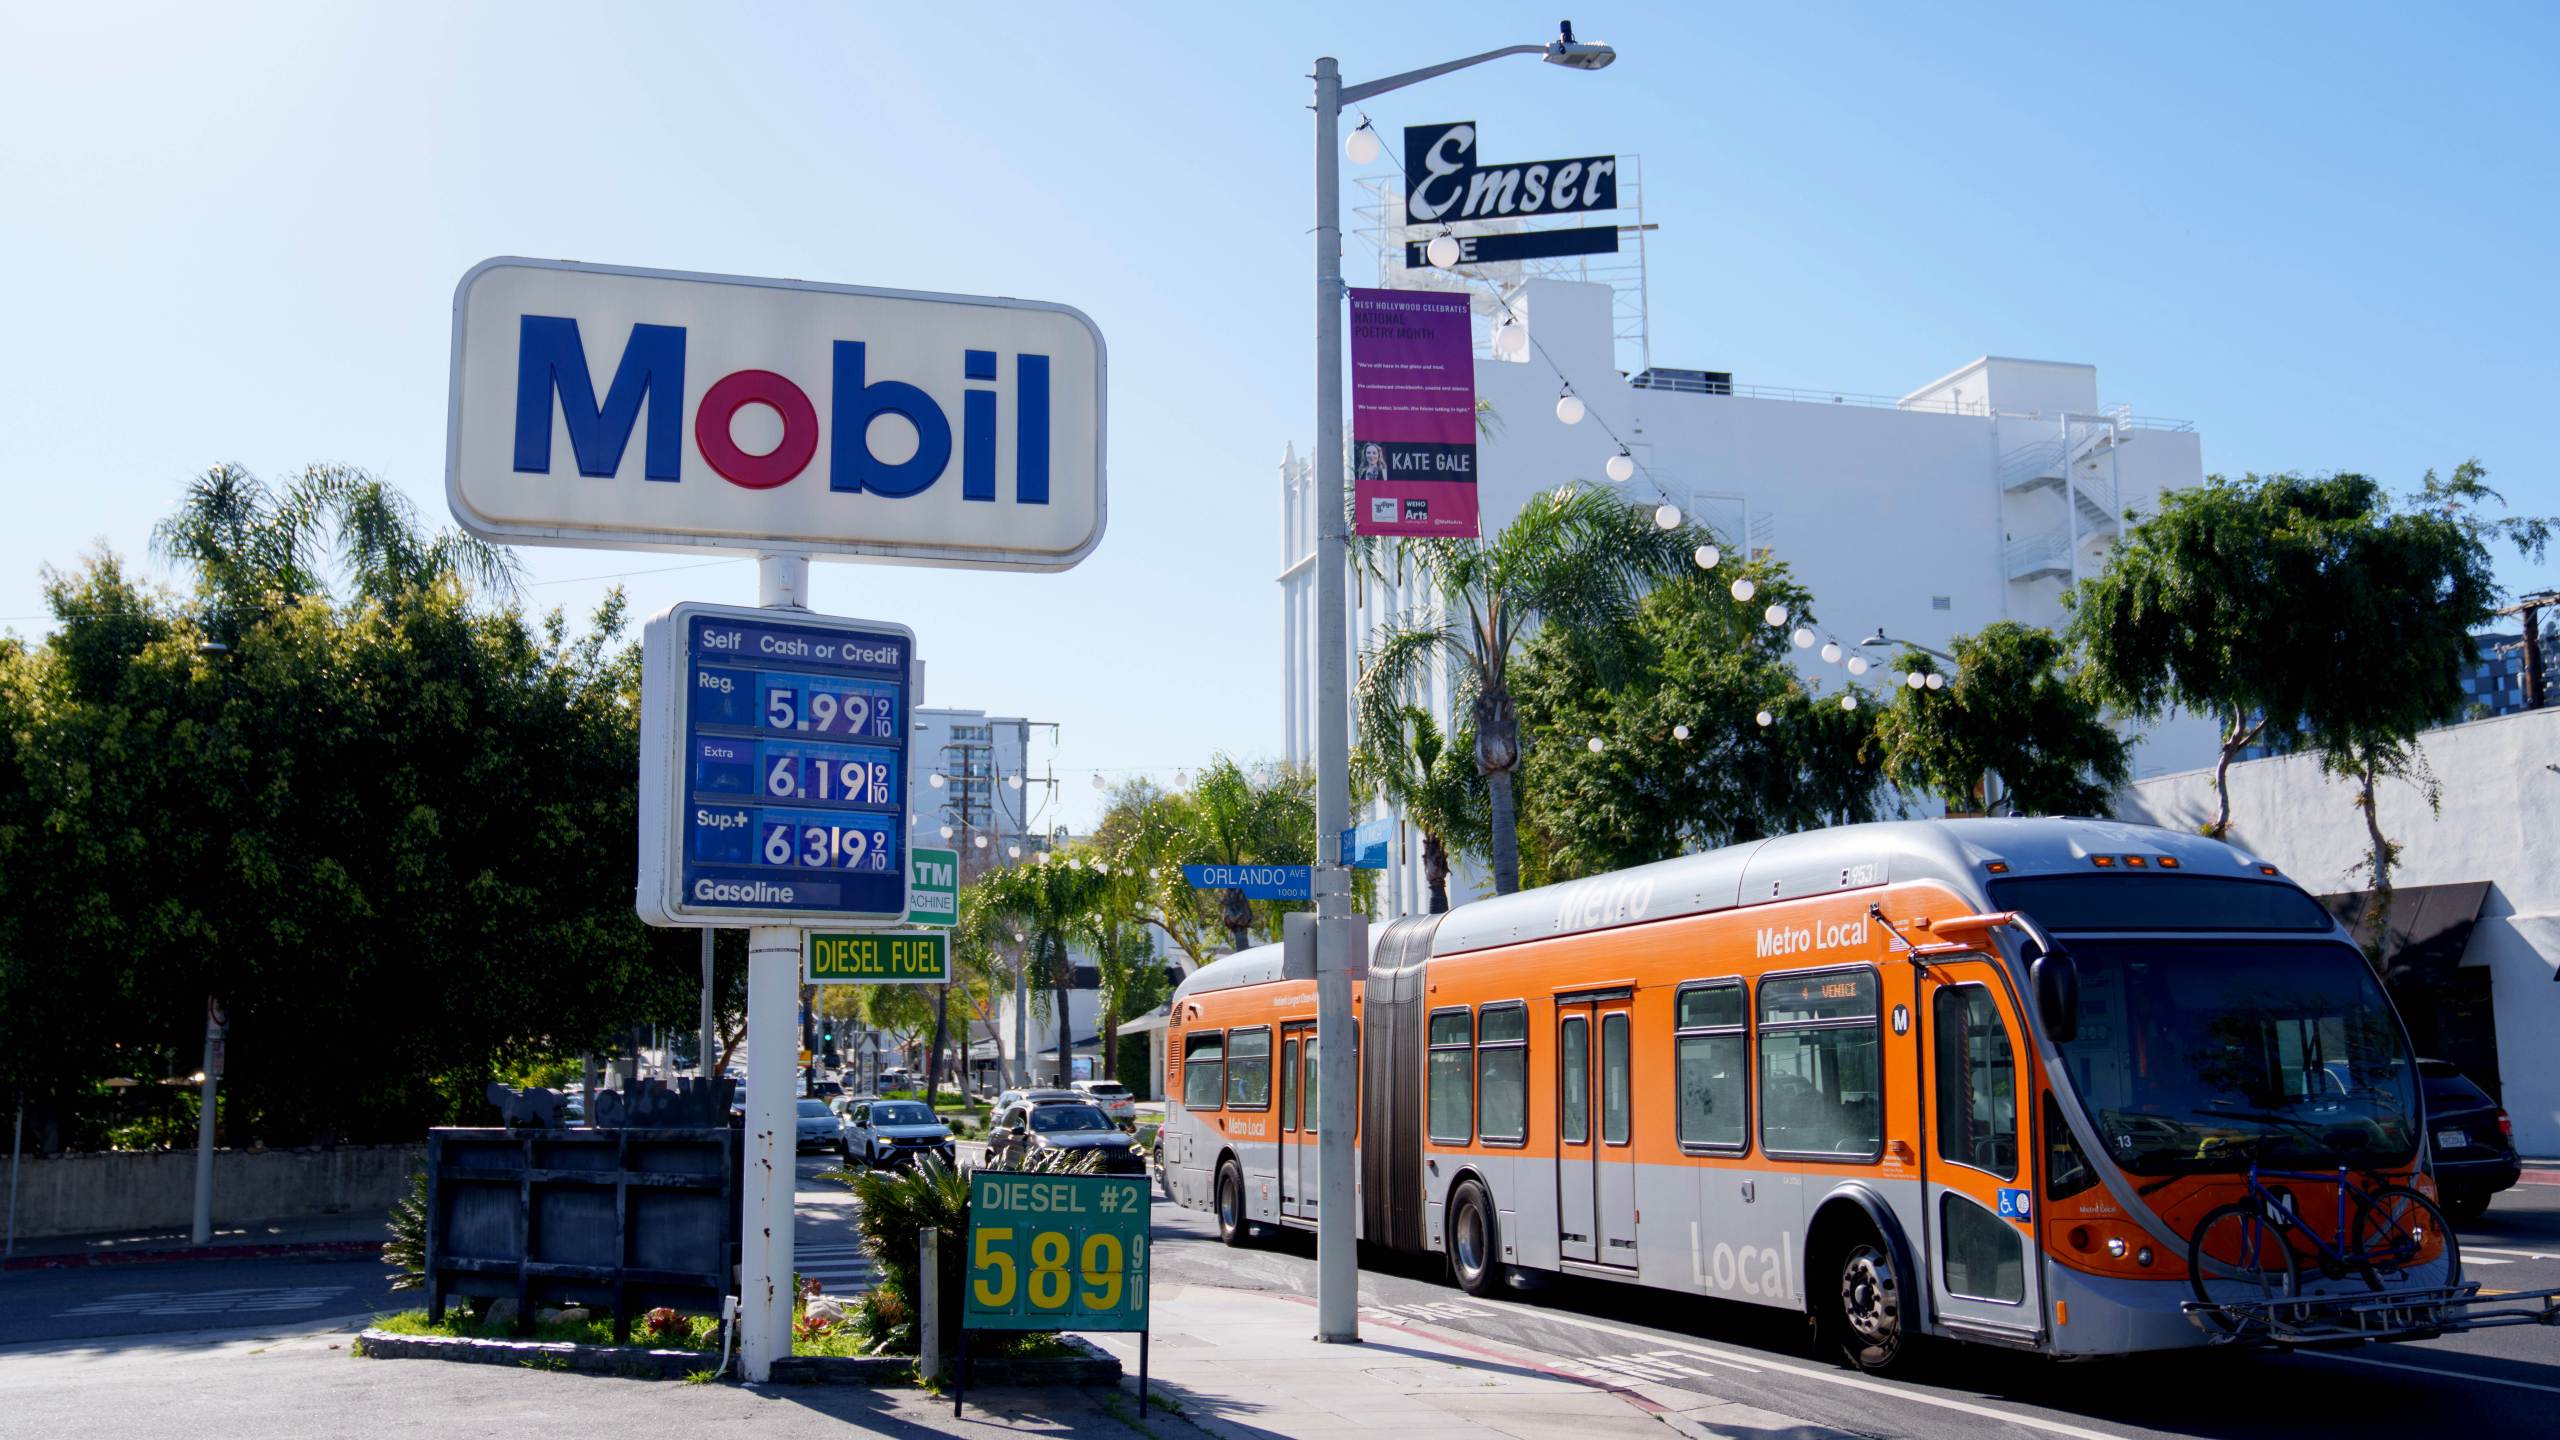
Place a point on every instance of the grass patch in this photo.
(701, 1377)
(702, 1333)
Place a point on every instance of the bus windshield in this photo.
(2203, 1055)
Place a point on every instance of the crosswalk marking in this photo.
(839, 1269)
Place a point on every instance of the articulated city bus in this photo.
(1977, 1079)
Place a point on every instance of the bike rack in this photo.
(2379, 1315)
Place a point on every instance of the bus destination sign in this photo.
(774, 768)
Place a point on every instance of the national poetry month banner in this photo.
(1413, 414)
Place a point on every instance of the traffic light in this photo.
(827, 1042)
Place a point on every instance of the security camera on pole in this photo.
(1337, 929)
(774, 741)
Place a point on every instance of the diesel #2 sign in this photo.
(773, 767)
(650, 409)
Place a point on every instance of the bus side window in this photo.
(1204, 1071)
(1821, 1090)
(1249, 1069)
(1502, 1073)
(1713, 1063)
(1451, 1103)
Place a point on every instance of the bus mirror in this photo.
(2057, 983)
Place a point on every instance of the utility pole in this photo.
(706, 1056)
(216, 1027)
(2531, 607)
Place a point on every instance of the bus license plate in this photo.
(2451, 1140)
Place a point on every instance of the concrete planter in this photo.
(637, 1362)
(1090, 1366)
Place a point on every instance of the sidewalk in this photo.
(347, 1234)
(1239, 1364)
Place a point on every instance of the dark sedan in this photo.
(2473, 1141)
(1072, 1124)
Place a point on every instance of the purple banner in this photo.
(1413, 414)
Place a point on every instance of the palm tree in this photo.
(1431, 778)
(256, 550)
(1575, 555)
(1050, 901)
(1243, 818)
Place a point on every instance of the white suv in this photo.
(1112, 1097)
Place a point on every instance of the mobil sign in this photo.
(595, 405)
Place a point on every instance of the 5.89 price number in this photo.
(1107, 1276)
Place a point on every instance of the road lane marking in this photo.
(2474, 1256)
(1851, 1382)
(2510, 1254)
(2432, 1370)
(208, 1302)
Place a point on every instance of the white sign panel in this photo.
(594, 405)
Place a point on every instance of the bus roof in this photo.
(1954, 853)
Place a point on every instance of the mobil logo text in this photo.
(641, 387)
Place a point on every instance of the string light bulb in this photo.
(1679, 732)
(1097, 779)
(1569, 407)
(1622, 466)
(1830, 652)
(1362, 145)
(1442, 252)
(1857, 664)
(1937, 681)
(1766, 719)
(1595, 744)
(1511, 340)
(1666, 516)
(1013, 852)
(946, 832)
(1013, 781)
(1776, 615)
(1916, 680)
(1848, 702)
(935, 780)
(982, 842)
(1181, 779)
(1707, 556)
(1744, 590)
(1803, 638)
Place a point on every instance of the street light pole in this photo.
(1337, 1260)
(214, 1029)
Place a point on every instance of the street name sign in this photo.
(773, 768)
(604, 406)
(1258, 882)
(1364, 846)
(933, 887)
(1056, 1252)
(878, 957)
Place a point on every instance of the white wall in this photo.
(2500, 823)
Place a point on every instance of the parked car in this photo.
(826, 1089)
(817, 1126)
(898, 1077)
(2473, 1141)
(1112, 1098)
(1068, 1122)
(1044, 1094)
(892, 1132)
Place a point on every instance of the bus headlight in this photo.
(2115, 1246)
(2142, 1256)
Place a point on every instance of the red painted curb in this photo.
(84, 1259)
(2539, 1177)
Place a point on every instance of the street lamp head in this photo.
(1875, 639)
(1578, 54)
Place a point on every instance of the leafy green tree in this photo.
(1430, 778)
(1575, 556)
(1231, 815)
(1674, 693)
(2014, 717)
(1239, 817)
(2292, 604)
(390, 828)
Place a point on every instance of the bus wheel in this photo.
(1234, 1230)
(1472, 1241)
(1865, 1314)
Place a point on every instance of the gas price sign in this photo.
(774, 767)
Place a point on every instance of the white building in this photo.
(984, 763)
(1979, 496)
(2475, 916)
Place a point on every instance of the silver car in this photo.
(1112, 1098)
(817, 1126)
(893, 1132)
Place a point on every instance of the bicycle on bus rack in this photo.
(2249, 1262)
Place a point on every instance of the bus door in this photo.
(1979, 1162)
(1298, 1061)
(1595, 1156)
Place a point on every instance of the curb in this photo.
(83, 1258)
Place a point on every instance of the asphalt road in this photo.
(2478, 1386)
(108, 1303)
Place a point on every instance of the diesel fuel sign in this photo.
(879, 957)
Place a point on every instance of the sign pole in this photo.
(707, 1056)
(202, 1230)
(1337, 1264)
(772, 1119)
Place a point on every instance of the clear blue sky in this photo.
(2323, 232)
